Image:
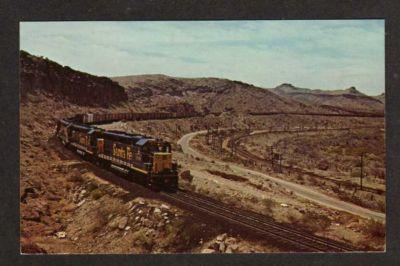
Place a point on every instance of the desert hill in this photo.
(380, 97)
(349, 99)
(165, 93)
(41, 75)
(207, 94)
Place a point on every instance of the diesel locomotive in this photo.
(143, 159)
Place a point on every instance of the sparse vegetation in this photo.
(97, 193)
(315, 221)
(375, 228)
(268, 204)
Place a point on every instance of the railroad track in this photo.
(248, 155)
(263, 225)
(260, 224)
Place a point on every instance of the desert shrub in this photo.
(375, 228)
(300, 177)
(315, 221)
(94, 222)
(143, 240)
(75, 178)
(381, 206)
(268, 204)
(323, 165)
(96, 194)
(91, 186)
(112, 207)
(355, 173)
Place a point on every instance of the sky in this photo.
(316, 54)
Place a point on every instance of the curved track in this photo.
(298, 189)
(248, 155)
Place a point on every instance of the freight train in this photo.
(143, 159)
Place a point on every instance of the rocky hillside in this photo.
(381, 97)
(206, 94)
(348, 99)
(61, 82)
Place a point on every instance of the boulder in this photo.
(230, 241)
(222, 247)
(61, 234)
(208, 251)
(123, 222)
(234, 247)
(221, 237)
(163, 206)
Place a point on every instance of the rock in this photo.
(32, 215)
(81, 203)
(284, 205)
(228, 250)
(208, 251)
(61, 234)
(82, 193)
(157, 210)
(222, 247)
(352, 225)
(123, 222)
(230, 241)
(234, 247)
(163, 206)
(147, 223)
(113, 223)
(214, 245)
(221, 237)
(127, 228)
(160, 224)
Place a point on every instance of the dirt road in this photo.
(299, 190)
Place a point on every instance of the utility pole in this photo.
(272, 156)
(361, 169)
(221, 140)
(280, 163)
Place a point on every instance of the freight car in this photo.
(144, 159)
(111, 117)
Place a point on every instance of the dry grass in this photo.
(315, 221)
(375, 229)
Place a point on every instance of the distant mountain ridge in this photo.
(164, 93)
(349, 99)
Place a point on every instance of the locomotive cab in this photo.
(163, 169)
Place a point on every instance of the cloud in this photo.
(316, 54)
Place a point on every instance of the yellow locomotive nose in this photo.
(162, 161)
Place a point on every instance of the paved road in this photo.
(298, 189)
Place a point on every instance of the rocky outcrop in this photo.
(227, 244)
(341, 101)
(39, 74)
